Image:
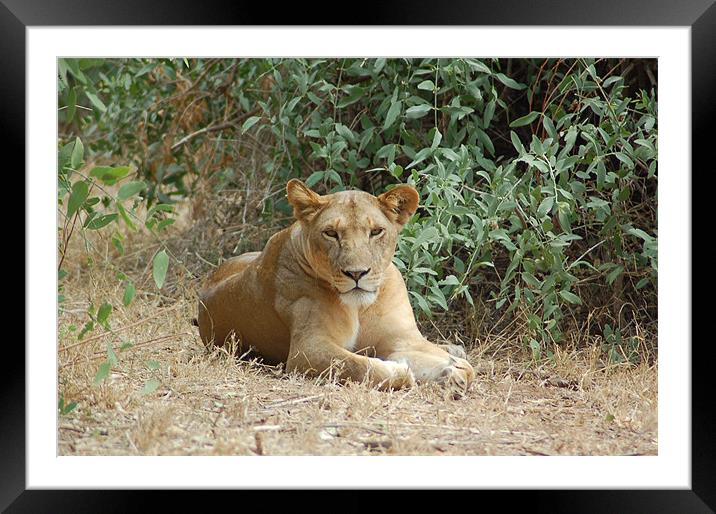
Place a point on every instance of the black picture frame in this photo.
(699, 15)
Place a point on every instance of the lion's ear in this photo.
(400, 203)
(305, 201)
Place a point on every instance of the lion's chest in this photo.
(352, 329)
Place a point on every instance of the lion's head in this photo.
(348, 238)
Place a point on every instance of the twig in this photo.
(202, 259)
(214, 128)
(284, 403)
(98, 355)
(74, 429)
(585, 253)
(266, 428)
(114, 331)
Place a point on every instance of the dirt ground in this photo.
(210, 403)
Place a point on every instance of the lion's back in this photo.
(229, 268)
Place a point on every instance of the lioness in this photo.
(325, 288)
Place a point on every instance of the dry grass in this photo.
(213, 404)
(210, 403)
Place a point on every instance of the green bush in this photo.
(537, 177)
(98, 198)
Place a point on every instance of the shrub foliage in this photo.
(537, 177)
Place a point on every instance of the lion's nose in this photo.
(355, 274)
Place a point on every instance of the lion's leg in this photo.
(317, 355)
(429, 362)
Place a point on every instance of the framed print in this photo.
(422, 250)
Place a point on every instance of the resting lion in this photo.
(324, 295)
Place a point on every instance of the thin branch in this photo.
(214, 128)
(100, 354)
(114, 332)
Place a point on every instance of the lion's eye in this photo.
(331, 233)
(376, 232)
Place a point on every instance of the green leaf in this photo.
(549, 127)
(517, 143)
(354, 93)
(74, 67)
(639, 233)
(103, 312)
(165, 223)
(129, 292)
(425, 236)
(426, 85)
(130, 189)
(645, 143)
(86, 328)
(624, 194)
(643, 282)
(624, 158)
(438, 297)
(564, 221)
(392, 115)
(152, 364)
(160, 207)
(536, 349)
(437, 137)
(108, 174)
(450, 280)
(531, 280)
(78, 154)
(545, 206)
(66, 409)
(80, 190)
(111, 356)
(570, 297)
(71, 105)
(150, 386)
(418, 111)
(478, 66)
(612, 276)
(420, 157)
(525, 120)
(102, 372)
(125, 217)
(100, 221)
(489, 113)
(62, 70)
(485, 140)
(314, 177)
(334, 176)
(96, 101)
(63, 157)
(366, 138)
(344, 132)
(160, 266)
(250, 122)
(509, 82)
(424, 306)
(611, 80)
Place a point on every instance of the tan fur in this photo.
(295, 301)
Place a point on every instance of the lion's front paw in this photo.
(454, 350)
(398, 376)
(457, 376)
